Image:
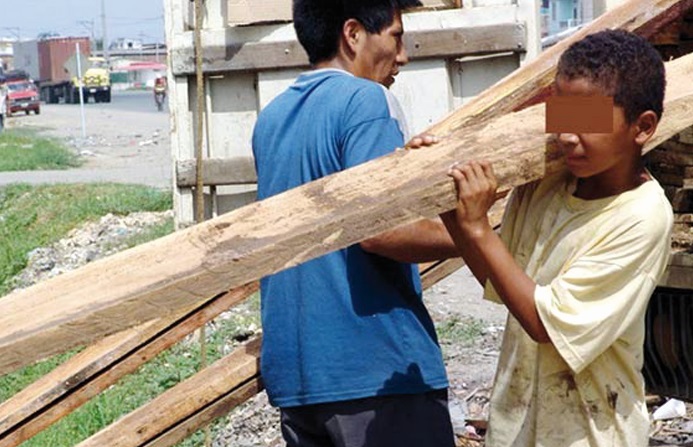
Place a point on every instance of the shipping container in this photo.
(55, 55)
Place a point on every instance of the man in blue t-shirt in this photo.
(350, 354)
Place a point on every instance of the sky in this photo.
(134, 19)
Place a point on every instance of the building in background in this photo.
(558, 16)
(6, 54)
(127, 74)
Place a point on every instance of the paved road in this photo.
(127, 141)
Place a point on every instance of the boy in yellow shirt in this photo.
(577, 259)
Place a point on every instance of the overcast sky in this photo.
(136, 19)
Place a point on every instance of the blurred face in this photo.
(378, 57)
(604, 158)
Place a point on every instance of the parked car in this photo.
(22, 96)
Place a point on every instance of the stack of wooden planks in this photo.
(148, 286)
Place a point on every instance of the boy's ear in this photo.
(645, 126)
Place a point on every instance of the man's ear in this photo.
(353, 34)
(645, 126)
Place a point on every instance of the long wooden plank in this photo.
(217, 171)
(445, 42)
(101, 365)
(145, 282)
(187, 399)
(203, 417)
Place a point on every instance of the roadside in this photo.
(126, 141)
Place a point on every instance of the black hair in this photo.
(624, 65)
(318, 23)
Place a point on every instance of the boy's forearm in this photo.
(487, 254)
(472, 258)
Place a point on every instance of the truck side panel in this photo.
(54, 53)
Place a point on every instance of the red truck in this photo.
(22, 96)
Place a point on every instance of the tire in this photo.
(28, 112)
(37, 110)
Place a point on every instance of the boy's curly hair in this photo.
(624, 65)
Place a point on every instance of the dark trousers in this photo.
(416, 420)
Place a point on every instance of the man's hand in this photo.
(422, 140)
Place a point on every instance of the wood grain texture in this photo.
(256, 56)
(168, 416)
(217, 171)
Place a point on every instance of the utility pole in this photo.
(89, 26)
(104, 38)
(15, 30)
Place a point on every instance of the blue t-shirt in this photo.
(349, 324)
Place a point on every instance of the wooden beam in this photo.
(73, 383)
(182, 409)
(145, 282)
(444, 42)
(217, 171)
(219, 408)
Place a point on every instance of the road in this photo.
(124, 141)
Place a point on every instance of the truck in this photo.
(22, 96)
(53, 64)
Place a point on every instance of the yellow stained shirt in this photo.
(596, 263)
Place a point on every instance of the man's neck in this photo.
(337, 63)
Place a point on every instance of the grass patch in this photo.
(458, 331)
(22, 150)
(36, 216)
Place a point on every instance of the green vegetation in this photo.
(36, 216)
(24, 151)
(32, 217)
(456, 331)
